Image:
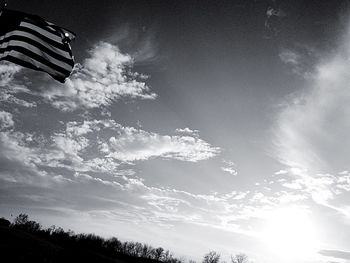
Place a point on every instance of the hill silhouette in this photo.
(26, 241)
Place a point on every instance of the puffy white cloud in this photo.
(135, 144)
(102, 79)
(30, 158)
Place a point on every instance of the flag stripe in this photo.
(42, 32)
(35, 57)
(33, 42)
(28, 38)
(25, 61)
(34, 49)
(44, 38)
(40, 22)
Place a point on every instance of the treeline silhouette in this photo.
(26, 240)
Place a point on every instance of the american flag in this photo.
(32, 42)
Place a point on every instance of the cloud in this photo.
(64, 168)
(300, 59)
(335, 253)
(297, 185)
(135, 144)
(274, 15)
(270, 12)
(146, 49)
(17, 160)
(25, 165)
(312, 127)
(128, 144)
(8, 72)
(229, 167)
(280, 172)
(10, 86)
(187, 131)
(6, 120)
(324, 189)
(100, 146)
(289, 57)
(7, 96)
(33, 159)
(102, 79)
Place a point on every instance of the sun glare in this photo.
(289, 232)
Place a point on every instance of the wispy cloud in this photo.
(274, 15)
(139, 41)
(301, 59)
(335, 253)
(312, 125)
(229, 167)
(312, 129)
(323, 189)
(289, 57)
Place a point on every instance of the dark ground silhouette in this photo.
(25, 240)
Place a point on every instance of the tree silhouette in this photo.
(239, 258)
(21, 219)
(22, 222)
(211, 257)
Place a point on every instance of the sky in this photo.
(191, 125)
